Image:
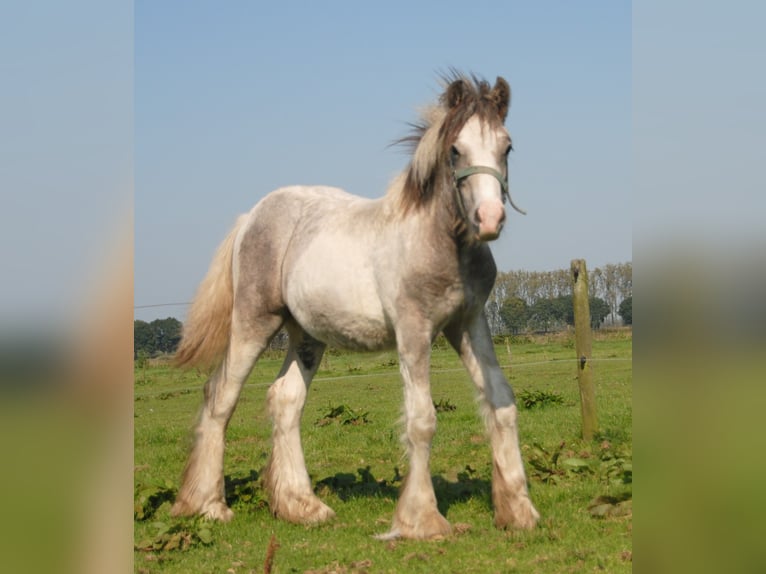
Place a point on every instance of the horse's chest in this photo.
(437, 302)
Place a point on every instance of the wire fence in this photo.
(162, 305)
(393, 373)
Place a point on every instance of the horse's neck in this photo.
(433, 227)
(432, 213)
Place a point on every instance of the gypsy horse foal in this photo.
(338, 269)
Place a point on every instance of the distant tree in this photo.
(159, 336)
(492, 312)
(515, 314)
(143, 338)
(563, 310)
(547, 314)
(599, 310)
(626, 310)
(167, 334)
(626, 281)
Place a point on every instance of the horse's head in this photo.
(476, 148)
(460, 156)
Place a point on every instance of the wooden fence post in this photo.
(583, 348)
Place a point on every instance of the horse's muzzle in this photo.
(490, 217)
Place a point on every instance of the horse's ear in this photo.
(455, 93)
(501, 96)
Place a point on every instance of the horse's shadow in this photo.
(247, 489)
(465, 488)
(347, 486)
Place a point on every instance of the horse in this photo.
(365, 274)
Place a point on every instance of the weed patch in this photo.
(444, 406)
(611, 467)
(344, 415)
(179, 536)
(616, 465)
(539, 399)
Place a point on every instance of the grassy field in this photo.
(583, 490)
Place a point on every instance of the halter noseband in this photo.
(461, 174)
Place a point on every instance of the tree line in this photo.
(524, 301)
(521, 301)
(161, 336)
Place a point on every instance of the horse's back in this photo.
(318, 198)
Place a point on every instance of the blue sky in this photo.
(66, 155)
(235, 99)
(647, 124)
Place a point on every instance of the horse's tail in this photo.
(207, 328)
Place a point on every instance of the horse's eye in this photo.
(508, 149)
(454, 154)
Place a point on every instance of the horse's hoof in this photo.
(427, 526)
(213, 510)
(182, 508)
(218, 511)
(518, 514)
(318, 512)
(303, 510)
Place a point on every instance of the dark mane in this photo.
(432, 136)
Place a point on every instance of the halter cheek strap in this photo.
(461, 174)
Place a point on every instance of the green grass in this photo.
(357, 468)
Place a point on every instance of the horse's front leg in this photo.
(417, 515)
(510, 496)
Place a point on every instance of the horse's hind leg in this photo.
(202, 486)
(287, 481)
